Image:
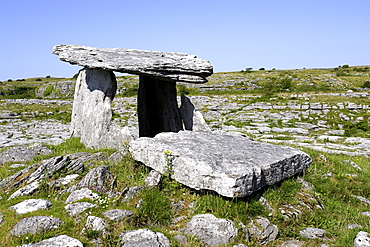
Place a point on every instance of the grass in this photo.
(329, 205)
(334, 194)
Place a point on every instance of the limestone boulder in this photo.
(362, 239)
(23, 153)
(143, 237)
(168, 65)
(57, 241)
(31, 205)
(231, 165)
(211, 230)
(35, 224)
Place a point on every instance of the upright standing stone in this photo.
(92, 113)
(157, 107)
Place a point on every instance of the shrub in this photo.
(261, 68)
(366, 84)
(38, 79)
(10, 80)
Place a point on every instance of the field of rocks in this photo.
(92, 197)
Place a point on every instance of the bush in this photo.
(366, 84)
(345, 66)
(261, 69)
(38, 79)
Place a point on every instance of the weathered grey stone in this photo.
(26, 190)
(77, 208)
(311, 232)
(91, 113)
(57, 241)
(233, 166)
(353, 164)
(131, 193)
(23, 153)
(143, 237)
(291, 243)
(362, 239)
(157, 107)
(153, 178)
(94, 223)
(362, 199)
(181, 239)
(262, 230)
(353, 226)
(63, 180)
(168, 65)
(1, 218)
(97, 178)
(81, 194)
(192, 119)
(117, 214)
(365, 214)
(31, 205)
(211, 230)
(35, 224)
(117, 156)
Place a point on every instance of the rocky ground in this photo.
(80, 197)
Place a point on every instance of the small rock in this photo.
(362, 199)
(311, 232)
(132, 192)
(211, 230)
(81, 194)
(35, 224)
(362, 240)
(353, 164)
(31, 205)
(94, 223)
(353, 226)
(365, 214)
(58, 241)
(143, 237)
(64, 180)
(97, 178)
(77, 208)
(261, 229)
(1, 218)
(240, 245)
(291, 243)
(117, 214)
(153, 178)
(265, 203)
(117, 156)
(181, 239)
(26, 190)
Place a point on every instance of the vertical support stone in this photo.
(157, 107)
(91, 113)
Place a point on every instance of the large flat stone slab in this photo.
(172, 66)
(233, 166)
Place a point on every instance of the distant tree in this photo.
(10, 80)
(345, 66)
(261, 68)
(38, 79)
(48, 76)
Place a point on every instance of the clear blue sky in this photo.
(232, 34)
